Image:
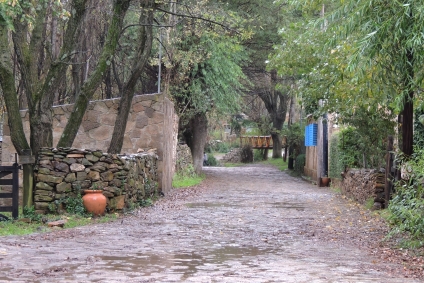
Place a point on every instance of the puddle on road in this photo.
(185, 264)
(209, 204)
(288, 205)
(284, 205)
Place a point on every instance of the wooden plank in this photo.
(4, 173)
(6, 195)
(6, 208)
(6, 182)
(15, 192)
(389, 175)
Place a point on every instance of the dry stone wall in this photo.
(234, 156)
(151, 125)
(66, 172)
(363, 184)
(184, 158)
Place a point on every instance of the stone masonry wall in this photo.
(363, 184)
(66, 172)
(184, 158)
(150, 126)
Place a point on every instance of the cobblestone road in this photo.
(244, 224)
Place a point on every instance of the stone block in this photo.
(71, 177)
(81, 185)
(64, 187)
(107, 176)
(81, 176)
(49, 179)
(43, 186)
(41, 205)
(117, 203)
(101, 133)
(77, 167)
(44, 171)
(43, 198)
(94, 175)
(69, 160)
(91, 158)
(75, 155)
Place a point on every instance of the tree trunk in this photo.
(7, 82)
(408, 108)
(277, 145)
(120, 8)
(195, 136)
(143, 54)
(291, 159)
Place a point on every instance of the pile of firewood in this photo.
(364, 184)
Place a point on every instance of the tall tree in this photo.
(144, 47)
(390, 47)
(42, 74)
(204, 73)
(262, 20)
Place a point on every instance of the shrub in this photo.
(247, 154)
(258, 155)
(407, 206)
(335, 159)
(299, 163)
(211, 161)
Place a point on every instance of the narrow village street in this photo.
(243, 224)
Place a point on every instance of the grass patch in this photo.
(229, 164)
(336, 189)
(18, 227)
(369, 203)
(181, 181)
(277, 162)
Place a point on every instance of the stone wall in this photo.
(150, 126)
(184, 158)
(66, 172)
(363, 184)
(234, 156)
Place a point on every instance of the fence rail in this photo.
(259, 142)
(13, 180)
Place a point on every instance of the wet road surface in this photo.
(245, 224)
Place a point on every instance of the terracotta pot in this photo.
(94, 201)
(325, 181)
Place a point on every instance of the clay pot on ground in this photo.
(325, 181)
(94, 202)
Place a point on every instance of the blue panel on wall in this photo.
(311, 135)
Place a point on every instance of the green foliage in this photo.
(221, 147)
(419, 129)
(212, 161)
(29, 212)
(357, 148)
(258, 155)
(407, 206)
(277, 162)
(295, 137)
(74, 205)
(207, 75)
(247, 154)
(299, 164)
(336, 165)
(186, 178)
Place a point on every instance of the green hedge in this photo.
(336, 160)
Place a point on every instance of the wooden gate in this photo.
(13, 181)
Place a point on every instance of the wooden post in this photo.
(28, 183)
(27, 160)
(15, 191)
(389, 174)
